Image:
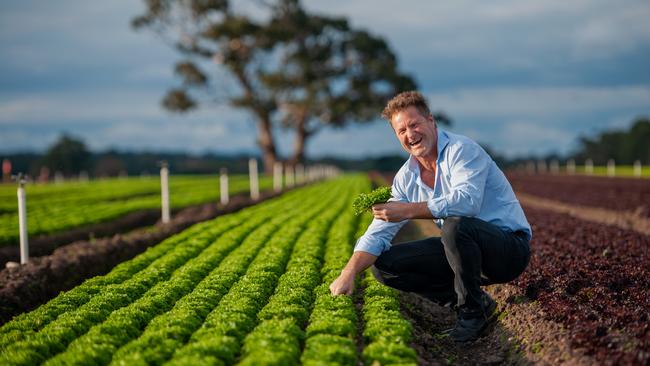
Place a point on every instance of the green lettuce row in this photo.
(28, 323)
(386, 333)
(286, 313)
(102, 340)
(55, 336)
(333, 321)
(172, 329)
(47, 215)
(219, 339)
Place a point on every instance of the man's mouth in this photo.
(413, 143)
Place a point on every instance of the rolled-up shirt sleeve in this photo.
(469, 170)
(379, 234)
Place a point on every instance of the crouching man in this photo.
(485, 234)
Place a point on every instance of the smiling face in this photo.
(417, 133)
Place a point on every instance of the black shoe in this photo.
(472, 323)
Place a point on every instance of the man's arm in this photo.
(344, 284)
(360, 260)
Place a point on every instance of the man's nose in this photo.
(410, 134)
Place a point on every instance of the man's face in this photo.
(417, 133)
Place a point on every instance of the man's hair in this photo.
(404, 100)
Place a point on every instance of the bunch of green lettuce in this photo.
(364, 201)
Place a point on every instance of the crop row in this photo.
(386, 333)
(100, 343)
(48, 329)
(286, 314)
(79, 205)
(104, 190)
(593, 279)
(248, 288)
(621, 194)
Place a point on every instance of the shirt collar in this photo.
(443, 141)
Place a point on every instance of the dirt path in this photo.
(520, 337)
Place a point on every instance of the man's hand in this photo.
(344, 284)
(400, 211)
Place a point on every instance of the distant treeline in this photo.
(625, 146)
(70, 157)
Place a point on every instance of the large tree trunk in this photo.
(266, 143)
(300, 142)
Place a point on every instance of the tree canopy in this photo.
(68, 155)
(288, 67)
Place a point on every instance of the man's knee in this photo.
(384, 262)
(454, 226)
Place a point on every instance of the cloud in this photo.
(525, 137)
(539, 101)
(502, 31)
(497, 68)
(175, 134)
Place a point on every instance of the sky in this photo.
(521, 77)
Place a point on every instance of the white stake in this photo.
(277, 176)
(589, 166)
(22, 220)
(637, 168)
(58, 178)
(571, 166)
(611, 168)
(254, 181)
(223, 184)
(300, 174)
(164, 191)
(530, 167)
(288, 176)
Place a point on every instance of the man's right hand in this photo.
(344, 284)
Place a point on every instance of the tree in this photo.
(291, 69)
(68, 155)
(624, 146)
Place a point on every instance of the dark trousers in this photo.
(450, 269)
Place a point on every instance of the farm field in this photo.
(252, 288)
(221, 290)
(55, 208)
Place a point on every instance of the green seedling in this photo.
(364, 201)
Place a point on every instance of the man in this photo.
(485, 235)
